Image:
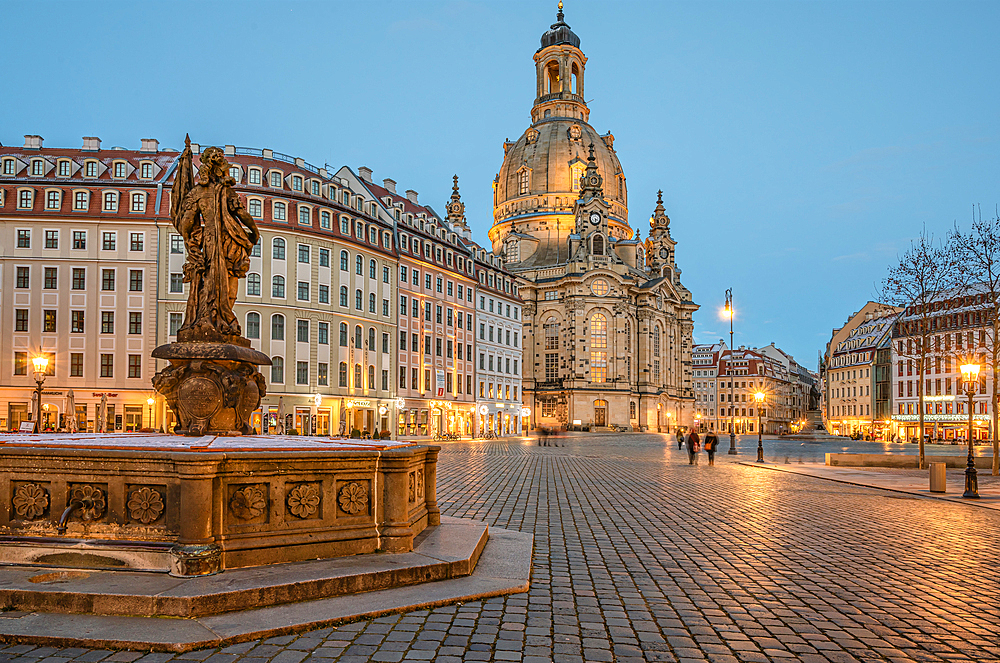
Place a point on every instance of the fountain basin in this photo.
(199, 505)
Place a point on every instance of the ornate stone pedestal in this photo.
(211, 387)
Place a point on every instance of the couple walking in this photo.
(693, 442)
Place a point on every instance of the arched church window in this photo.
(656, 341)
(552, 77)
(522, 182)
(576, 172)
(597, 244)
(598, 348)
(551, 334)
(576, 79)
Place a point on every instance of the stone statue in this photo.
(211, 219)
(212, 384)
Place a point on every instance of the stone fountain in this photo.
(211, 497)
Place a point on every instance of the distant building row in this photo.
(377, 313)
(726, 380)
(871, 372)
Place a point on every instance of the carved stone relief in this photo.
(304, 500)
(31, 501)
(353, 498)
(145, 504)
(249, 502)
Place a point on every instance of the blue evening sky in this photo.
(799, 145)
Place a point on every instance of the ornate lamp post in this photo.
(728, 313)
(669, 417)
(970, 380)
(759, 399)
(41, 363)
(149, 402)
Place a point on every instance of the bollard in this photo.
(938, 478)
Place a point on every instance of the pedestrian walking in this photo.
(680, 440)
(711, 446)
(693, 447)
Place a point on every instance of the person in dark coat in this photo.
(680, 440)
(711, 446)
(693, 446)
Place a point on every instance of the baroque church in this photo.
(607, 322)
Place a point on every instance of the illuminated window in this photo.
(599, 287)
(599, 348)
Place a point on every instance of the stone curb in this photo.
(504, 567)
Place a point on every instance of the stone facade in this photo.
(607, 322)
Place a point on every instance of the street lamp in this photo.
(728, 313)
(970, 379)
(759, 399)
(669, 417)
(41, 362)
(149, 402)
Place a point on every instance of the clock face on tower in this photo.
(595, 217)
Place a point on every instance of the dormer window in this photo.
(253, 176)
(37, 167)
(90, 169)
(236, 173)
(146, 170)
(120, 170)
(64, 168)
(275, 179)
(315, 188)
(8, 166)
(296, 183)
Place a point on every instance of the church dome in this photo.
(541, 170)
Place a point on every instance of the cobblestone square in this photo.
(640, 556)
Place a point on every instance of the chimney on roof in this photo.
(148, 145)
(411, 195)
(32, 142)
(390, 185)
(91, 143)
(365, 173)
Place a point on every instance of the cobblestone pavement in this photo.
(642, 557)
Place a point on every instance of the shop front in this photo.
(500, 419)
(126, 411)
(944, 428)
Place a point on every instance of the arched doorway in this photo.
(600, 413)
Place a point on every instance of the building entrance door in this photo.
(16, 413)
(323, 422)
(133, 418)
(600, 413)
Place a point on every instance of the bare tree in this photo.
(980, 251)
(926, 273)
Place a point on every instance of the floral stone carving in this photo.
(303, 501)
(413, 486)
(249, 502)
(30, 501)
(354, 498)
(91, 499)
(145, 505)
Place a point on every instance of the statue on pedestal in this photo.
(212, 384)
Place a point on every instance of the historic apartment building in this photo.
(854, 374)
(958, 332)
(78, 281)
(434, 313)
(96, 283)
(607, 323)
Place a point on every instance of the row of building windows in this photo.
(50, 278)
(107, 364)
(500, 307)
(109, 240)
(81, 200)
(442, 347)
(77, 319)
(430, 282)
(441, 315)
(503, 364)
(323, 377)
(453, 382)
(90, 168)
(503, 391)
(506, 335)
